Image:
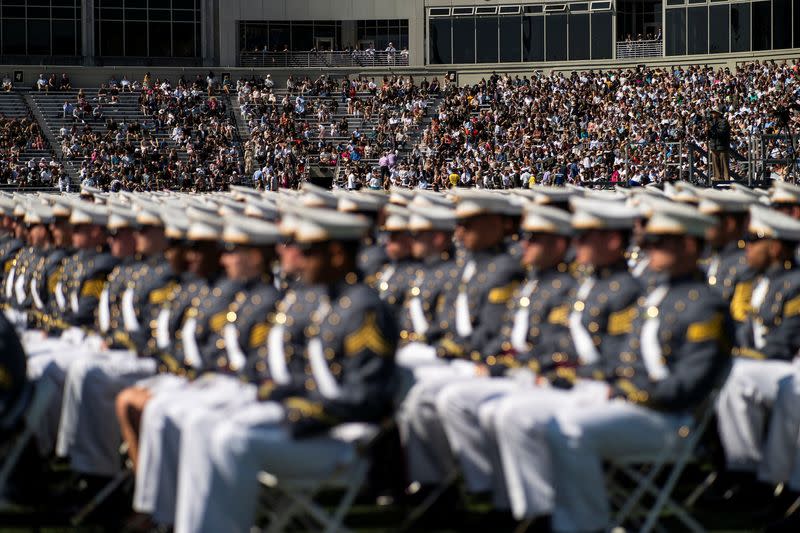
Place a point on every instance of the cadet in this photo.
(11, 243)
(175, 323)
(675, 353)
(47, 271)
(394, 280)
(372, 256)
(574, 345)
(88, 432)
(727, 269)
(340, 374)
(432, 231)
(767, 343)
(468, 313)
(237, 332)
(512, 355)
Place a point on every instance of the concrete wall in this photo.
(231, 12)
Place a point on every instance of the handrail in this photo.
(357, 58)
(632, 49)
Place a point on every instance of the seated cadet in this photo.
(726, 267)
(80, 289)
(37, 218)
(200, 289)
(785, 197)
(11, 245)
(766, 346)
(338, 371)
(46, 273)
(512, 356)
(676, 351)
(88, 431)
(470, 308)
(432, 231)
(372, 257)
(395, 278)
(237, 332)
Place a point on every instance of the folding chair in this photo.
(645, 473)
(27, 412)
(349, 473)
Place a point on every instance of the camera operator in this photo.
(718, 132)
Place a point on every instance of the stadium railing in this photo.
(632, 49)
(359, 58)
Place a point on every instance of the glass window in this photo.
(781, 24)
(439, 39)
(38, 37)
(579, 36)
(439, 11)
(509, 10)
(762, 21)
(111, 38)
(796, 22)
(533, 9)
(302, 36)
(136, 39)
(740, 27)
(533, 38)
(64, 41)
(486, 39)
(556, 34)
(464, 40)
(579, 7)
(160, 39)
(601, 35)
(675, 34)
(510, 39)
(718, 29)
(279, 35)
(13, 37)
(183, 39)
(697, 30)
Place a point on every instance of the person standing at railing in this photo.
(718, 131)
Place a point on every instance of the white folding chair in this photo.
(295, 497)
(348, 473)
(28, 411)
(647, 475)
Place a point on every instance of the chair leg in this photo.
(101, 496)
(421, 509)
(356, 482)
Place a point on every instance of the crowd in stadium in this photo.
(203, 154)
(16, 136)
(633, 126)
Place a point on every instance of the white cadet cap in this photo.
(87, 213)
(250, 232)
(715, 202)
(674, 218)
(321, 225)
(547, 219)
(396, 218)
(470, 203)
(431, 218)
(770, 224)
(591, 213)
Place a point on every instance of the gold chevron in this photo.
(367, 337)
(258, 335)
(93, 287)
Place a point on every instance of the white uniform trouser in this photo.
(520, 422)
(466, 410)
(743, 406)
(781, 461)
(580, 438)
(420, 427)
(89, 433)
(222, 453)
(156, 482)
(51, 366)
